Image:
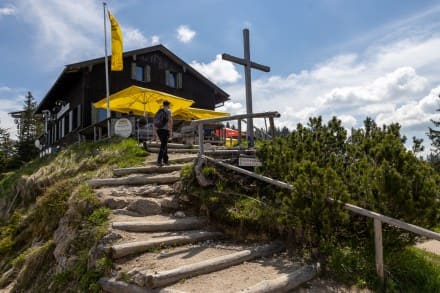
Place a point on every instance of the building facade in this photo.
(68, 107)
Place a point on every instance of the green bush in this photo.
(370, 168)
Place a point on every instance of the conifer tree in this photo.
(6, 149)
(434, 136)
(29, 129)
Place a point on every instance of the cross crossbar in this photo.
(240, 61)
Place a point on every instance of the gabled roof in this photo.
(71, 70)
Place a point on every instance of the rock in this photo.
(139, 279)
(169, 203)
(144, 207)
(179, 214)
(63, 237)
(115, 203)
(94, 254)
(110, 237)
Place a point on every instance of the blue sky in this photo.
(351, 59)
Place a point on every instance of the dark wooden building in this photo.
(68, 109)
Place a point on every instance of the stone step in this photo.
(139, 205)
(136, 180)
(210, 152)
(173, 150)
(111, 285)
(144, 191)
(125, 249)
(267, 274)
(167, 277)
(275, 273)
(147, 170)
(178, 224)
(171, 145)
(285, 283)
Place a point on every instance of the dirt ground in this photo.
(430, 245)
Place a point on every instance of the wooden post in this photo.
(272, 128)
(248, 64)
(239, 131)
(378, 248)
(201, 140)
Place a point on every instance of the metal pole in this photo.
(107, 86)
(247, 75)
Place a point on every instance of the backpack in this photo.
(160, 119)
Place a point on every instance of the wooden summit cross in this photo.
(248, 64)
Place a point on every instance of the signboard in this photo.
(249, 162)
(123, 127)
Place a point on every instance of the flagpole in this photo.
(107, 87)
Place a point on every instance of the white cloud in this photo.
(415, 113)
(155, 40)
(185, 34)
(70, 31)
(395, 82)
(401, 84)
(65, 31)
(232, 107)
(11, 100)
(133, 38)
(8, 10)
(218, 70)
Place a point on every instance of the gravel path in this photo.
(430, 245)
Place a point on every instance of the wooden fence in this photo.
(377, 218)
(239, 118)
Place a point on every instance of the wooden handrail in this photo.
(199, 123)
(378, 218)
(236, 117)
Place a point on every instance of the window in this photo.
(140, 72)
(101, 114)
(173, 79)
(98, 115)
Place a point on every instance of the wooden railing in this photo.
(377, 218)
(201, 122)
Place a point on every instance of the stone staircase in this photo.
(157, 247)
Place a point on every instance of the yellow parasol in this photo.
(139, 100)
(196, 113)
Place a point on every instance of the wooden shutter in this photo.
(147, 73)
(133, 70)
(179, 80)
(167, 77)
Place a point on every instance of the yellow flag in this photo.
(117, 60)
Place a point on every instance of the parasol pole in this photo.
(145, 114)
(107, 87)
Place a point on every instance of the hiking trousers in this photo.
(163, 134)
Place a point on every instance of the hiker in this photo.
(163, 126)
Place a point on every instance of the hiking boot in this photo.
(159, 164)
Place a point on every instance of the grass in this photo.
(407, 270)
(48, 190)
(413, 270)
